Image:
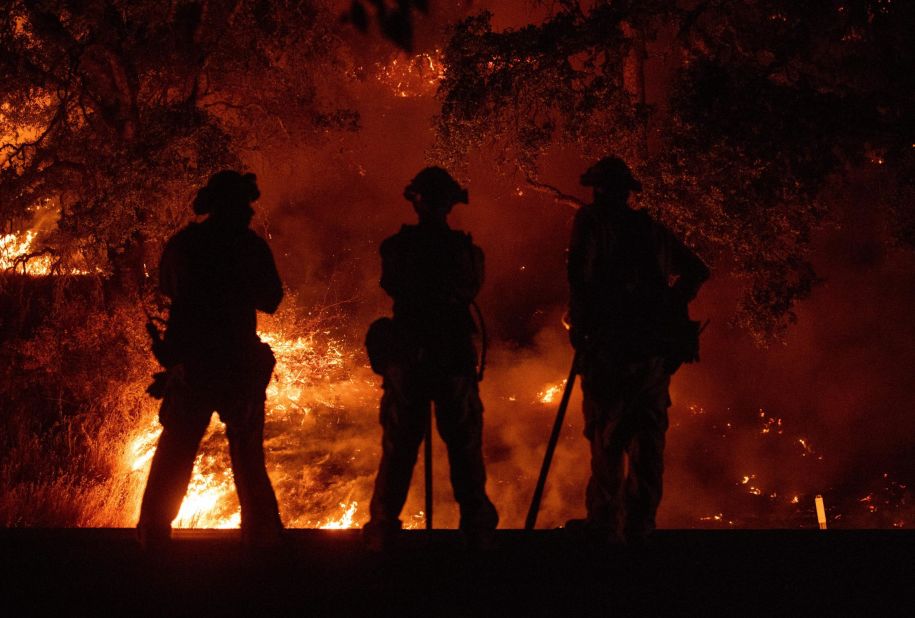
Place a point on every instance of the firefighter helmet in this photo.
(225, 185)
(610, 172)
(436, 183)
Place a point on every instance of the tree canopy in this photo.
(113, 111)
(737, 114)
(762, 105)
(395, 19)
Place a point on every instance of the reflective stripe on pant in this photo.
(405, 406)
(626, 426)
(185, 415)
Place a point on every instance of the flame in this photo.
(303, 365)
(143, 446)
(415, 76)
(207, 502)
(315, 383)
(16, 253)
(548, 394)
(14, 249)
(346, 518)
(321, 387)
(415, 521)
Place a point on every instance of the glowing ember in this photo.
(770, 424)
(549, 394)
(413, 77)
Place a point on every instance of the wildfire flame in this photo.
(18, 252)
(415, 76)
(549, 393)
(302, 365)
(14, 253)
(321, 392)
(346, 517)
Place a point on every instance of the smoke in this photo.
(837, 384)
(754, 435)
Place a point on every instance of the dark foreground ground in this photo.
(776, 573)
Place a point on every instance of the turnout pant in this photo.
(405, 406)
(185, 414)
(625, 408)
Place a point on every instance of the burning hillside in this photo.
(322, 442)
(726, 467)
(111, 119)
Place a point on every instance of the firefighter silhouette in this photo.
(218, 273)
(631, 330)
(426, 355)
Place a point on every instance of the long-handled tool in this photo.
(427, 464)
(551, 446)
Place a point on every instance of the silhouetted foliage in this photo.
(766, 104)
(395, 19)
(113, 112)
(72, 388)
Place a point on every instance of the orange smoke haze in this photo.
(329, 207)
(754, 435)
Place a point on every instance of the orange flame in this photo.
(14, 249)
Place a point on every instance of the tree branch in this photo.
(555, 193)
(19, 150)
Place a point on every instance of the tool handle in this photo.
(427, 472)
(551, 447)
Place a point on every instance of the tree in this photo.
(113, 111)
(395, 19)
(766, 104)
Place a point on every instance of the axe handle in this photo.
(551, 447)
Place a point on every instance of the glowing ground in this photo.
(81, 572)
